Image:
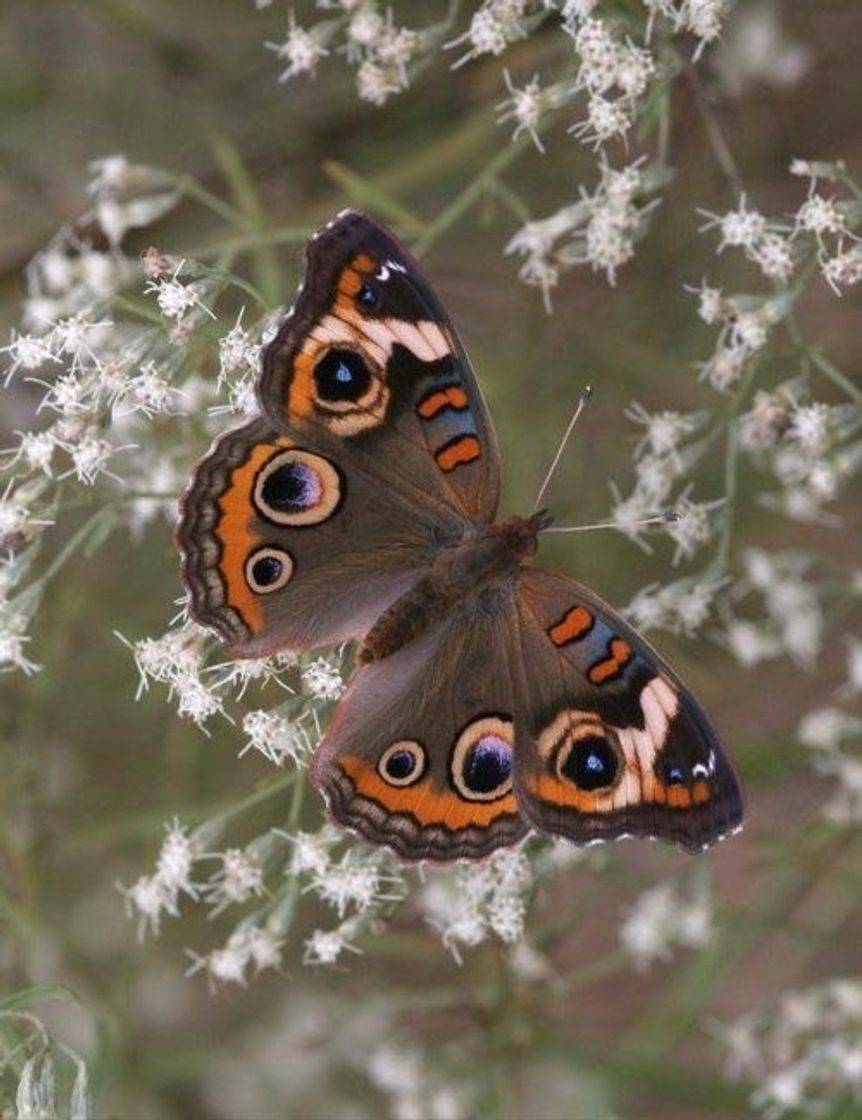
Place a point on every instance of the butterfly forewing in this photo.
(369, 356)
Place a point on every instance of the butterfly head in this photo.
(521, 534)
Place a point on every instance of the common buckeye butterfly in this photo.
(491, 696)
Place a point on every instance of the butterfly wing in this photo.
(374, 452)
(418, 755)
(610, 742)
(284, 547)
(367, 357)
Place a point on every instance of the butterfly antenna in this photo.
(584, 396)
(668, 517)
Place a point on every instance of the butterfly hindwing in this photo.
(418, 755)
(610, 742)
(368, 356)
(285, 547)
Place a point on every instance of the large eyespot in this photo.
(589, 763)
(341, 377)
(581, 750)
(403, 763)
(368, 295)
(297, 488)
(268, 569)
(481, 765)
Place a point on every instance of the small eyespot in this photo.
(368, 295)
(674, 775)
(268, 569)
(297, 488)
(590, 763)
(403, 763)
(481, 764)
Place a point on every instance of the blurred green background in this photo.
(88, 775)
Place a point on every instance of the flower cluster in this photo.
(380, 50)
(480, 899)
(600, 229)
(666, 915)
(805, 1056)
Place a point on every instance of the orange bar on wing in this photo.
(453, 396)
(620, 654)
(463, 450)
(572, 626)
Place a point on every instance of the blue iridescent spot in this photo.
(400, 765)
(291, 488)
(590, 764)
(488, 764)
(341, 375)
(368, 295)
(674, 775)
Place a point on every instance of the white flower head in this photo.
(322, 679)
(525, 107)
(302, 50)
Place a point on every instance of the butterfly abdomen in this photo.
(492, 554)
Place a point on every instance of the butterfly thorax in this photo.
(482, 558)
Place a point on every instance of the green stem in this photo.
(836, 376)
(190, 186)
(473, 191)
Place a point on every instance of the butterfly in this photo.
(491, 696)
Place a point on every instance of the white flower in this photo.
(175, 299)
(17, 522)
(774, 255)
(275, 736)
(240, 878)
(663, 916)
(28, 352)
(693, 528)
(702, 18)
(196, 701)
(664, 431)
(36, 450)
(237, 350)
(844, 269)
(13, 639)
(524, 107)
(354, 881)
(322, 679)
(810, 427)
(647, 930)
(599, 55)
(175, 861)
(150, 392)
(606, 118)
(496, 24)
(741, 227)
(374, 83)
(90, 455)
(750, 643)
(713, 307)
(326, 946)
(264, 948)
(149, 898)
(224, 966)
(302, 51)
(724, 369)
(311, 852)
(819, 215)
